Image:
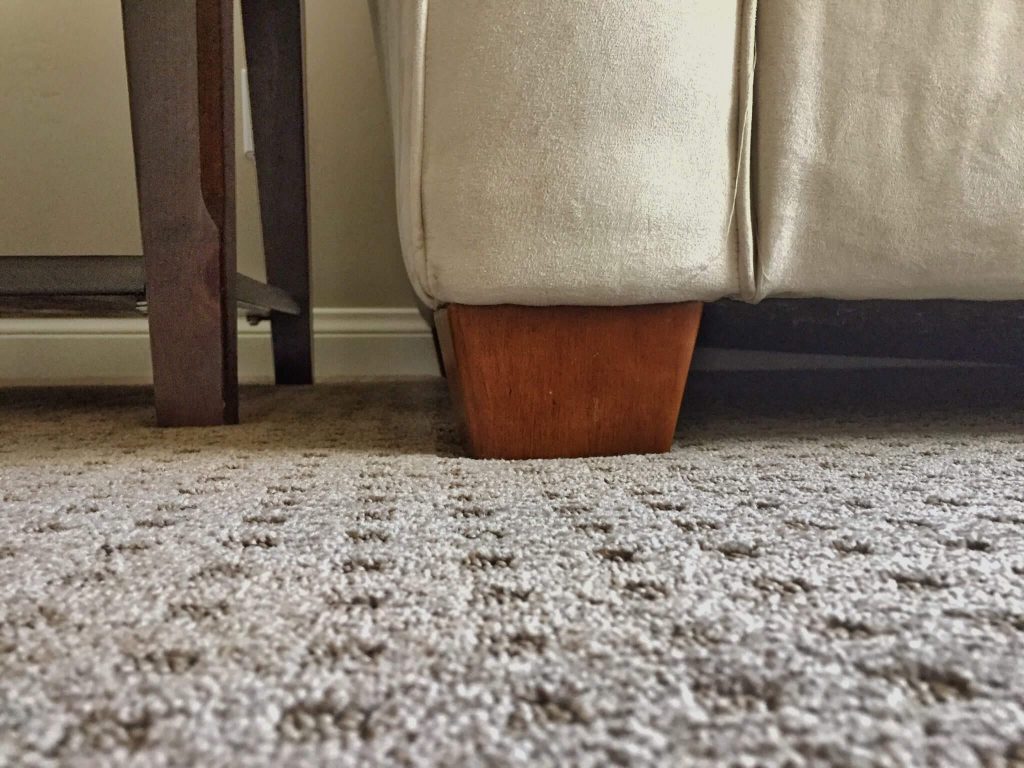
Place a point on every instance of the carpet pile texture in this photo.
(827, 570)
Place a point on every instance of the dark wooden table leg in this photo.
(179, 56)
(273, 37)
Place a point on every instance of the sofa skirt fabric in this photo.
(889, 149)
(581, 152)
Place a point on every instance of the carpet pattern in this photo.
(827, 570)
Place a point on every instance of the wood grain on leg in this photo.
(560, 382)
(216, 52)
(178, 56)
(273, 38)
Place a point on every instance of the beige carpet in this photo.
(828, 570)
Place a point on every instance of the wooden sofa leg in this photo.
(561, 382)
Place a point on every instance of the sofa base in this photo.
(564, 382)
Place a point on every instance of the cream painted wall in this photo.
(66, 175)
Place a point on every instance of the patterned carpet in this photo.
(827, 570)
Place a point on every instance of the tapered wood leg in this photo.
(180, 87)
(562, 382)
(273, 38)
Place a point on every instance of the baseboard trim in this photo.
(348, 342)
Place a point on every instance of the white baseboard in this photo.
(347, 342)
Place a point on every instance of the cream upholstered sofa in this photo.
(574, 178)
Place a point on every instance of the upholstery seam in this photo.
(746, 257)
(740, 210)
(428, 289)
